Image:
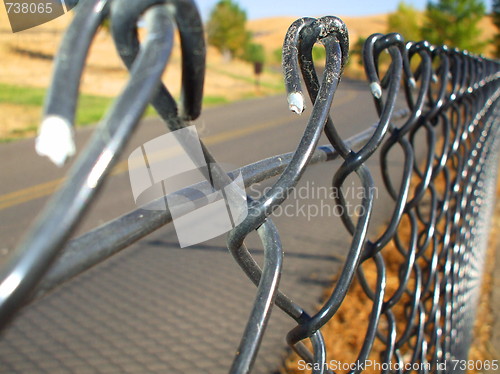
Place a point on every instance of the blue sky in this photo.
(299, 8)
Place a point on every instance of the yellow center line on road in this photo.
(44, 189)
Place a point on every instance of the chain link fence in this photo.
(443, 196)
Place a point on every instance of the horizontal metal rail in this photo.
(86, 251)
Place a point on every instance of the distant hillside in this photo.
(271, 31)
(27, 63)
(27, 56)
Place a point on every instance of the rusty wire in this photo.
(451, 99)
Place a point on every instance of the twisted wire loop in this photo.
(428, 315)
(447, 133)
(302, 35)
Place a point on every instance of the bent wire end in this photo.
(290, 64)
(376, 90)
(296, 102)
(55, 140)
(55, 136)
(412, 83)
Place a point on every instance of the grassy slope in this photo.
(27, 68)
(91, 108)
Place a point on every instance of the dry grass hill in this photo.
(27, 66)
(271, 31)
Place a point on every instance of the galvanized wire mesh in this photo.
(443, 197)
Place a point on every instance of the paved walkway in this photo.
(156, 308)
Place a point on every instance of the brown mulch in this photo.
(345, 333)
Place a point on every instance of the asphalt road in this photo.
(237, 134)
(156, 307)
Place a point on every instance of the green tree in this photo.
(254, 53)
(406, 21)
(496, 20)
(357, 50)
(226, 29)
(277, 55)
(455, 23)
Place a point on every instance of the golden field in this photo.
(27, 60)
